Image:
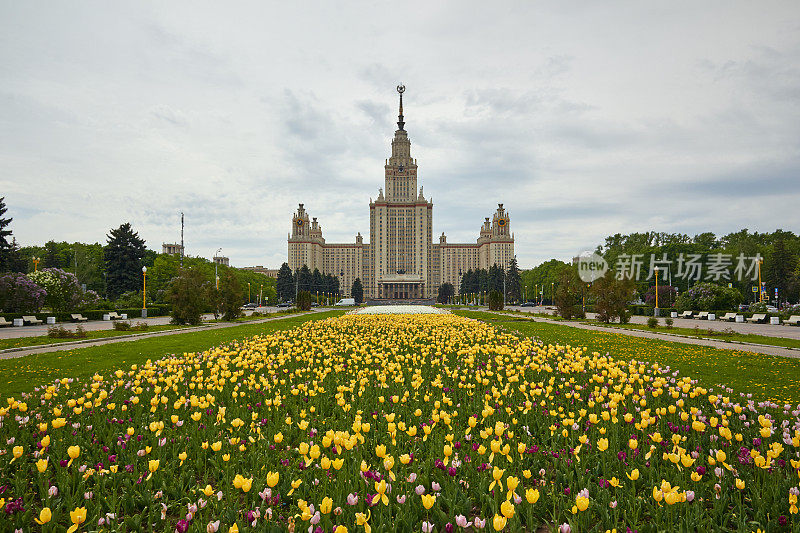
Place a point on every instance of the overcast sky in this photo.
(584, 118)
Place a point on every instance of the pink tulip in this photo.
(212, 527)
(461, 521)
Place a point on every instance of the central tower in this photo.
(401, 225)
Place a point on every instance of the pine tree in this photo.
(6, 247)
(284, 285)
(357, 291)
(123, 258)
(513, 282)
(304, 279)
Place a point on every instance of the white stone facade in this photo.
(401, 261)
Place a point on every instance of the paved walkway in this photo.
(768, 330)
(671, 337)
(99, 325)
(13, 353)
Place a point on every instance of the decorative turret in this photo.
(300, 226)
(501, 224)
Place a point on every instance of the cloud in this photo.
(584, 123)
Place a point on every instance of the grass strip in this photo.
(22, 374)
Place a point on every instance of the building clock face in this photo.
(299, 223)
(501, 222)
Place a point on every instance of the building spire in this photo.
(400, 123)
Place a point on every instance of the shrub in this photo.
(495, 301)
(652, 322)
(669, 322)
(708, 297)
(303, 300)
(63, 290)
(60, 332)
(121, 325)
(19, 294)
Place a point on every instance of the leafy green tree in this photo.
(569, 294)
(284, 285)
(231, 296)
(357, 291)
(446, 291)
(189, 295)
(780, 265)
(611, 297)
(123, 258)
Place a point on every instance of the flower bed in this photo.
(395, 423)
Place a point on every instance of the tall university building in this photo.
(400, 261)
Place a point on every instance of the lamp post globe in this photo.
(144, 292)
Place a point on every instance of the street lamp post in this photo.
(552, 293)
(248, 292)
(144, 292)
(216, 265)
(261, 295)
(760, 290)
(655, 309)
(35, 263)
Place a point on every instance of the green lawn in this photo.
(705, 333)
(22, 342)
(765, 376)
(24, 373)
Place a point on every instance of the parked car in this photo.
(251, 305)
(744, 307)
(346, 302)
(285, 304)
(772, 309)
(527, 304)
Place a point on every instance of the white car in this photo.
(344, 302)
(772, 309)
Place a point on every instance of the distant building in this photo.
(221, 260)
(401, 261)
(269, 272)
(172, 249)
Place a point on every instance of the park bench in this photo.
(686, 314)
(794, 320)
(32, 320)
(114, 316)
(728, 317)
(758, 318)
(4, 322)
(78, 317)
(702, 315)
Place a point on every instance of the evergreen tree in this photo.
(284, 285)
(357, 291)
(123, 258)
(304, 279)
(6, 247)
(513, 282)
(446, 291)
(316, 282)
(466, 280)
(495, 278)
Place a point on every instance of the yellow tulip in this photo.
(428, 500)
(532, 495)
(273, 478)
(499, 522)
(45, 515)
